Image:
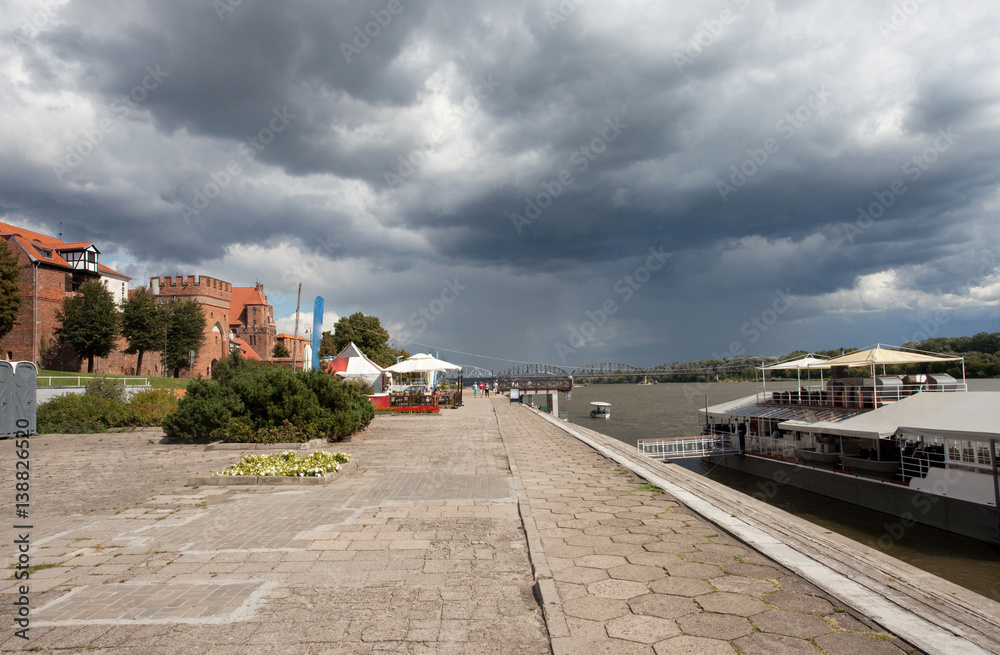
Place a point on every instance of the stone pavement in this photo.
(635, 572)
(433, 546)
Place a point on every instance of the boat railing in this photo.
(770, 446)
(965, 454)
(853, 397)
(682, 447)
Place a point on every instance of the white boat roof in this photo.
(744, 408)
(973, 415)
(600, 404)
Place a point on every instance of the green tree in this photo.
(90, 322)
(142, 324)
(185, 332)
(367, 334)
(10, 290)
(279, 350)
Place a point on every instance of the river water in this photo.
(671, 410)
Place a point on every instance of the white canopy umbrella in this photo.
(808, 362)
(424, 364)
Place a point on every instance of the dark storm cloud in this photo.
(766, 146)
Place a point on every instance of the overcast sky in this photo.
(560, 182)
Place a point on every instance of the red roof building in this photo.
(252, 319)
(51, 269)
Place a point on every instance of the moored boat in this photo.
(921, 447)
(601, 410)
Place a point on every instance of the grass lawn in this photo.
(156, 383)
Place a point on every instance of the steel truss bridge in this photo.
(530, 377)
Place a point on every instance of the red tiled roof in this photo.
(292, 336)
(245, 349)
(33, 241)
(241, 297)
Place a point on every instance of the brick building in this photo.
(252, 319)
(51, 269)
(214, 296)
(235, 317)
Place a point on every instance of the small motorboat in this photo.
(601, 410)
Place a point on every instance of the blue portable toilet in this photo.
(25, 391)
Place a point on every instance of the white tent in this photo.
(424, 364)
(808, 362)
(351, 363)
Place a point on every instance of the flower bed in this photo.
(422, 409)
(288, 464)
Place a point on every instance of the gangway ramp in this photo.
(667, 448)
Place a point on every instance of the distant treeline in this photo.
(981, 352)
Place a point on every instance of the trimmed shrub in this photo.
(102, 408)
(249, 402)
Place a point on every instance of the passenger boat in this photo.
(921, 447)
(601, 410)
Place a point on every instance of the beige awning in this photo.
(885, 355)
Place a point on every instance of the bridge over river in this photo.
(548, 377)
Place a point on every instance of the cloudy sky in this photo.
(561, 182)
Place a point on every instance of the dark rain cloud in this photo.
(766, 146)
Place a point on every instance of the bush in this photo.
(249, 402)
(102, 408)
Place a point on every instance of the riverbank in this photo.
(667, 410)
(930, 612)
(482, 529)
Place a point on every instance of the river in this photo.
(671, 410)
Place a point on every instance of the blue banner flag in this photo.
(317, 330)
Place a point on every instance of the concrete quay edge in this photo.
(971, 623)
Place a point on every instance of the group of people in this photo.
(483, 389)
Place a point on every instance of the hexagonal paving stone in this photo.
(688, 645)
(693, 570)
(709, 557)
(672, 545)
(792, 624)
(603, 531)
(637, 573)
(587, 540)
(622, 550)
(661, 560)
(622, 521)
(741, 585)
(569, 552)
(644, 629)
(716, 626)
(608, 646)
(662, 606)
(760, 643)
(620, 589)
(595, 609)
(630, 538)
(579, 575)
(578, 524)
(681, 586)
(849, 642)
(601, 561)
(726, 603)
(752, 570)
(795, 602)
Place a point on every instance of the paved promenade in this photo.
(443, 541)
